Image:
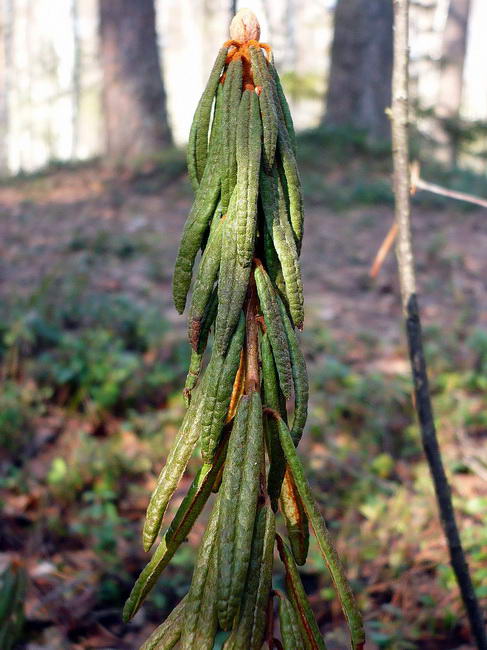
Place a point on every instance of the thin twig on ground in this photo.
(411, 312)
(383, 251)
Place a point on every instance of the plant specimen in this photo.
(246, 403)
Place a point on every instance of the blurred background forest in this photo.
(96, 100)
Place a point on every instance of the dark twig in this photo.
(411, 313)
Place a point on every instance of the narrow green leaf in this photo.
(310, 631)
(168, 633)
(342, 586)
(289, 625)
(183, 521)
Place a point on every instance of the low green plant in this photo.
(13, 583)
(87, 350)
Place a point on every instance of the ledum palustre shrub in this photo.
(246, 403)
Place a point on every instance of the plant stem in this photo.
(404, 253)
(252, 375)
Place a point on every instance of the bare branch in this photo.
(404, 253)
(417, 183)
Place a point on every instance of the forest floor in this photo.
(93, 358)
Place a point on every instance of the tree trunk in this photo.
(454, 48)
(359, 88)
(76, 78)
(134, 101)
(3, 107)
(5, 65)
